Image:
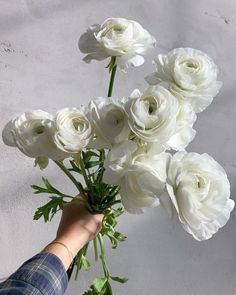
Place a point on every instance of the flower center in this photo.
(109, 33)
(39, 129)
(200, 182)
(115, 117)
(151, 104)
(78, 125)
(192, 64)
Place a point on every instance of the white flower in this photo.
(152, 115)
(200, 193)
(125, 39)
(141, 176)
(32, 132)
(191, 73)
(73, 129)
(109, 121)
(184, 132)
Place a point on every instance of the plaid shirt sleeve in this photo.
(42, 274)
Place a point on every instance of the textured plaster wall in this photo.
(41, 67)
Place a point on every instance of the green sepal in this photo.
(41, 161)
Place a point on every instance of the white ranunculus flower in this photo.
(73, 129)
(184, 132)
(118, 161)
(32, 132)
(109, 121)
(191, 73)
(140, 175)
(152, 115)
(125, 39)
(200, 192)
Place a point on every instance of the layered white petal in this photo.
(124, 39)
(152, 115)
(73, 130)
(32, 132)
(109, 121)
(200, 193)
(140, 174)
(189, 72)
(184, 132)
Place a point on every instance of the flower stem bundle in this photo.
(128, 154)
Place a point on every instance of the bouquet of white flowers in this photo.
(122, 147)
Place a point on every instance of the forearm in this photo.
(73, 234)
(45, 273)
(66, 247)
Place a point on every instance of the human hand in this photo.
(77, 227)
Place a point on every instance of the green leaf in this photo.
(108, 289)
(85, 263)
(91, 164)
(118, 212)
(109, 224)
(49, 189)
(119, 236)
(50, 209)
(74, 166)
(119, 280)
(98, 284)
(90, 154)
(39, 190)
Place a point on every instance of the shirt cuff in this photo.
(45, 272)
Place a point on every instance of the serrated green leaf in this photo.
(50, 188)
(39, 190)
(49, 209)
(119, 280)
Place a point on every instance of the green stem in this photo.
(103, 258)
(112, 78)
(82, 167)
(95, 246)
(72, 178)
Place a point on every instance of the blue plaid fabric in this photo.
(42, 274)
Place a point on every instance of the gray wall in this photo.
(41, 67)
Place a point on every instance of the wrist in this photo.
(75, 240)
(61, 251)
